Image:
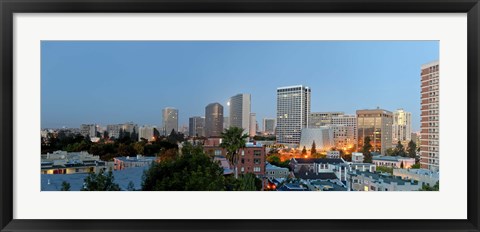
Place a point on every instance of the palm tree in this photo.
(232, 140)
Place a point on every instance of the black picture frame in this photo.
(9, 7)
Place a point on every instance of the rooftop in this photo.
(292, 187)
(390, 158)
(318, 160)
(255, 144)
(122, 178)
(328, 186)
(271, 166)
(386, 179)
(136, 159)
(305, 174)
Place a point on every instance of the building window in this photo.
(256, 169)
(257, 153)
(256, 161)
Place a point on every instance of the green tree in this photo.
(304, 150)
(189, 148)
(65, 186)
(412, 149)
(247, 182)
(426, 187)
(184, 173)
(139, 147)
(232, 140)
(399, 149)
(313, 151)
(100, 182)
(390, 151)
(366, 150)
(273, 159)
(415, 166)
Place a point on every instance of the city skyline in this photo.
(116, 82)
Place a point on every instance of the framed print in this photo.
(232, 115)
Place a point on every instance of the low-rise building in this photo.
(292, 187)
(62, 162)
(272, 171)
(357, 157)
(251, 159)
(121, 163)
(423, 176)
(393, 161)
(333, 154)
(364, 167)
(369, 181)
(320, 185)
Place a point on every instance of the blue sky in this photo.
(107, 82)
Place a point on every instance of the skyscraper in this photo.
(429, 128)
(269, 126)
(402, 127)
(293, 112)
(169, 120)
(213, 120)
(240, 107)
(196, 126)
(376, 124)
(253, 125)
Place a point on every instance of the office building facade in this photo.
(269, 126)
(293, 112)
(376, 124)
(318, 119)
(196, 126)
(240, 109)
(89, 130)
(213, 120)
(169, 120)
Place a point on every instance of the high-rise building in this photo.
(347, 120)
(121, 130)
(213, 120)
(146, 132)
(253, 125)
(376, 124)
(240, 109)
(169, 120)
(343, 136)
(293, 112)
(88, 129)
(429, 128)
(226, 122)
(318, 119)
(269, 126)
(196, 126)
(114, 130)
(130, 129)
(402, 127)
